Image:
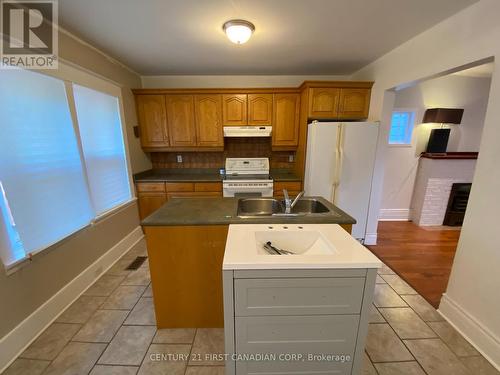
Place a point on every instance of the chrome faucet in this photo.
(289, 204)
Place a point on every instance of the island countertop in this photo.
(223, 211)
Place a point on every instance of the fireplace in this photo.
(457, 204)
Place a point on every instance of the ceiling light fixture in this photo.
(238, 31)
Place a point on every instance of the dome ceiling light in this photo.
(238, 31)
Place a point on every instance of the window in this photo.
(102, 143)
(55, 177)
(401, 127)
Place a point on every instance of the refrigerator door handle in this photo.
(338, 161)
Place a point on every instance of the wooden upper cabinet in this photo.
(181, 123)
(208, 115)
(286, 109)
(260, 109)
(152, 115)
(354, 103)
(234, 109)
(323, 102)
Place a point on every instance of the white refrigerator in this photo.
(339, 167)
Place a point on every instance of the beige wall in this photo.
(471, 301)
(28, 288)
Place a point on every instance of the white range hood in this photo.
(247, 131)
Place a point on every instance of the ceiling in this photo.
(177, 37)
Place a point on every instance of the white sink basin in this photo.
(299, 241)
(320, 246)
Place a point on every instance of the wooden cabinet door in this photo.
(260, 109)
(150, 202)
(234, 109)
(152, 116)
(323, 102)
(181, 125)
(354, 103)
(286, 111)
(208, 115)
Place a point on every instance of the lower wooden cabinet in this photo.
(150, 202)
(152, 195)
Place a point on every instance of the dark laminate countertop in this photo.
(201, 175)
(222, 211)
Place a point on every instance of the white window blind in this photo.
(401, 127)
(41, 171)
(103, 148)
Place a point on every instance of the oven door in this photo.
(248, 189)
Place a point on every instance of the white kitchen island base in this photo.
(308, 316)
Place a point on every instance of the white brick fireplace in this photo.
(433, 186)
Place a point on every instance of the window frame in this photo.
(413, 112)
(72, 75)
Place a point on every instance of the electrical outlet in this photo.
(179, 158)
(290, 158)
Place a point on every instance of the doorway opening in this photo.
(429, 168)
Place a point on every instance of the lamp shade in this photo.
(443, 115)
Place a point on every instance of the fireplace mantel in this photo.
(449, 155)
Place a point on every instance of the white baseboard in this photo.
(475, 332)
(14, 343)
(370, 239)
(394, 214)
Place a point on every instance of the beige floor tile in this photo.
(406, 323)
(386, 297)
(422, 308)
(138, 277)
(129, 346)
(207, 342)
(205, 370)
(399, 368)
(77, 358)
(148, 292)
(165, 359)
(479, 366)
(385, 270)
(383, 345)
(123, 298)
(119, 268)
(50, 343)
(398, 284)
(435, 357)
(453, 339)
(139, 250)
(104, 286)
(26, 367)
(102, 326)
(143, 313)
(367, 368)
(81, 310)
(379, 280)
(175, 336)
(114, 370)
(375, 316)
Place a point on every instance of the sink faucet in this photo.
(289, 204)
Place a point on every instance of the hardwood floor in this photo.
(422, 257)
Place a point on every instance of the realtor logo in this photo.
(29, 34)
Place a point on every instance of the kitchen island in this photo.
(186, 239)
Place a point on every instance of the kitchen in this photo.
(221, 197)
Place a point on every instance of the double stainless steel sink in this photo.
(261, 207)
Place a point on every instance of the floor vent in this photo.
(136, 263)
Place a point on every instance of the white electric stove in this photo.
(247, 177)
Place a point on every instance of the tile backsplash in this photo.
(234, 147)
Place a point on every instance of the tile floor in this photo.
(110, 330)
